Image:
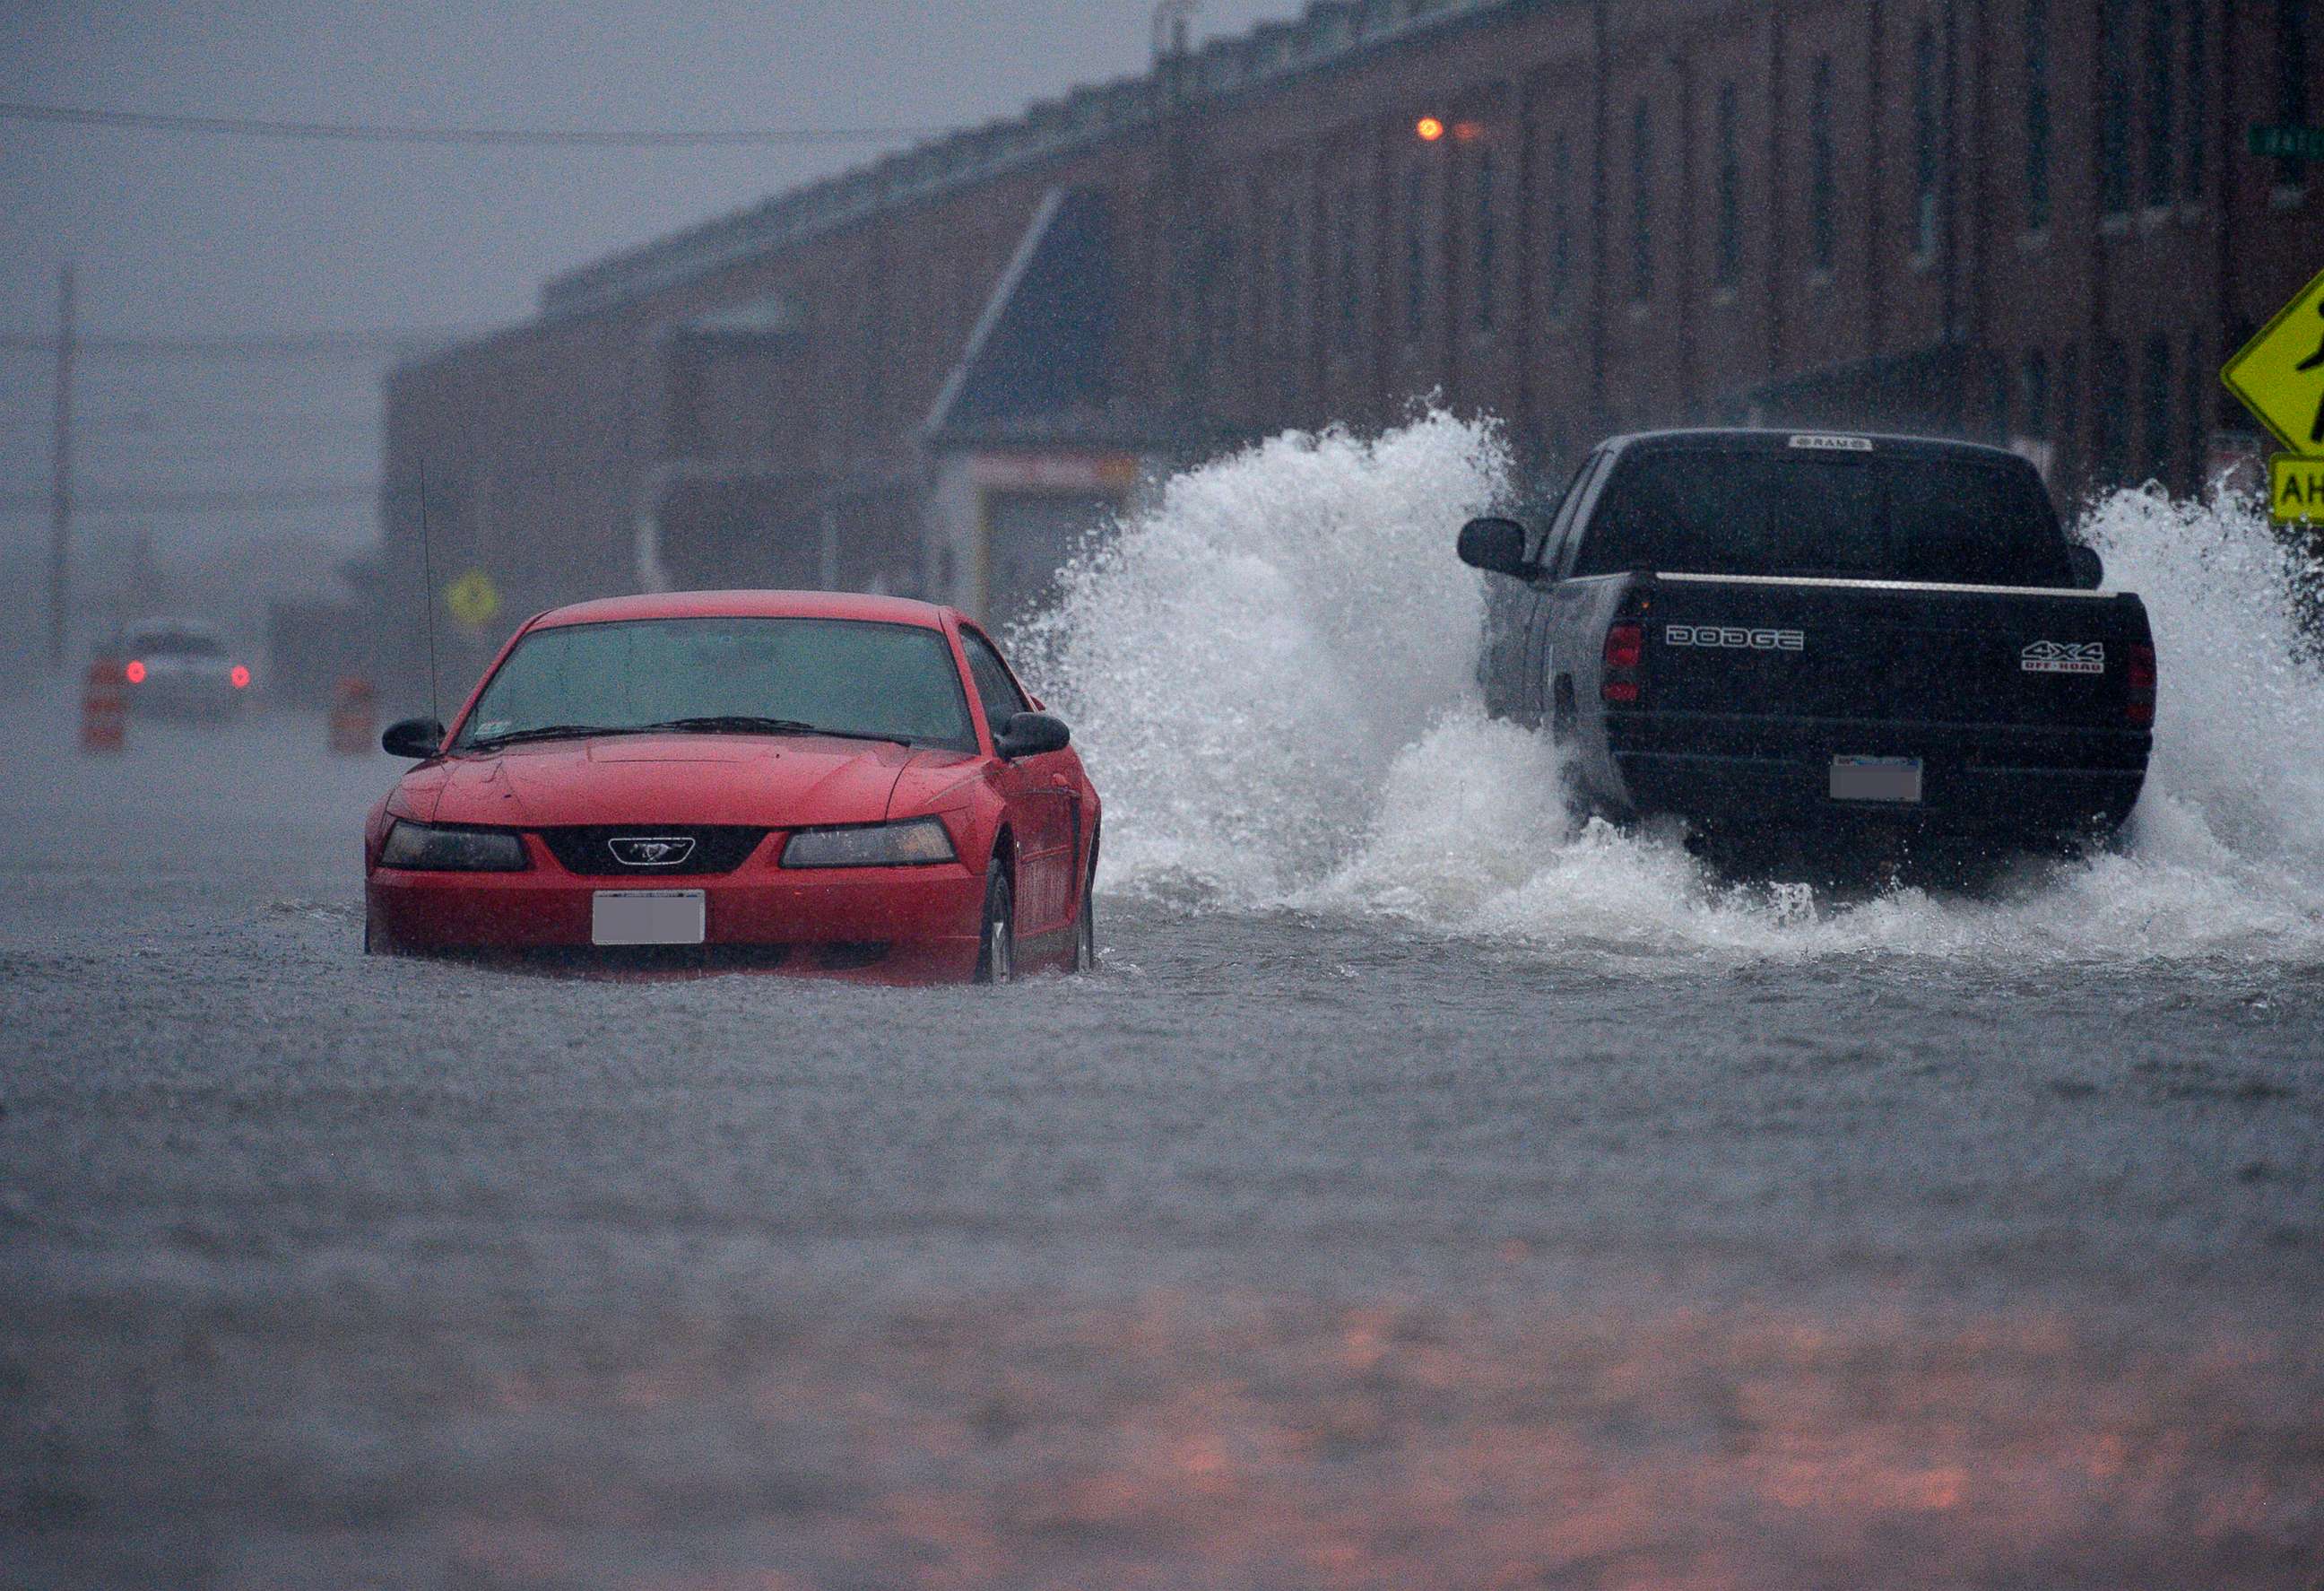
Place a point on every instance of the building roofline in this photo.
(1330, 34)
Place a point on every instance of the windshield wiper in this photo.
(484, 743)
(744, 723)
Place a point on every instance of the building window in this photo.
(1642, 203)
(2196, 142)
(1224, 283)
(2161, 113)
(2113, 383)
(1286, 277)
(1489, 263)
(2293, 23)
(1822, 224)
(1415, 252)
(1561, 223)
(2158, 407)
(2114, 109)
(2033, 395)
(1925, 153)
(1729, 255)
(1348, 274)
(2037, 115)
(2197, 434)
(2065, 402)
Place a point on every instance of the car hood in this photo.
(750, 780)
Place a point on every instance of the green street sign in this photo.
(2287, 143)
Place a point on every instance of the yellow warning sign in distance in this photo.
(473, 599)
(2279, 375)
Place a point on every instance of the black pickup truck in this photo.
(1770, 633)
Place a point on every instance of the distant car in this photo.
(180, 667)
(851, 785)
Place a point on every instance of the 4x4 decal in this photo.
(2064, 657)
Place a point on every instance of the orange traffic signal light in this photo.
(1429, 129)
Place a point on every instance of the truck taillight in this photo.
(2141, 674)
(1626, 649)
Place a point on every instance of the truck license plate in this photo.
(1876, 779)
(648, 917)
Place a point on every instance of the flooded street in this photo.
(1661, 667)
(1300, 1247)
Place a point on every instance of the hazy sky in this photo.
(185, 235)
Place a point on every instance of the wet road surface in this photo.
(1296, 1249)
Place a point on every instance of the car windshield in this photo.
(175, 643)
(846, 677)
(1896, 517)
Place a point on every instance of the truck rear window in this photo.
(1892, 517)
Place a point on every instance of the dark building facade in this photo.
(2030, 221)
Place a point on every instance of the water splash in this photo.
(1272, 675)
(1246, 661)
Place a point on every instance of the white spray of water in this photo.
(1271, 674)
(1243, 663)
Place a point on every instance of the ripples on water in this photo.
(1271, 674)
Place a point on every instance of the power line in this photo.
(320, 345)
(186, 421)
(502, 137)
(254, 499)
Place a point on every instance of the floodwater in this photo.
(1429, 1191)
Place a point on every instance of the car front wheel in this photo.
(1086, 924)
(996, 954)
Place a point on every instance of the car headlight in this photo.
(425, 849)
(915, 844)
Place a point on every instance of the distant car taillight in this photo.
(241, 677)
(2141, 674)
(135, 673)
(1626, 649)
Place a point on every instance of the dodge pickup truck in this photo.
(1780, 633)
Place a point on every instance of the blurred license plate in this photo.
(648, 917)
(1876, 779)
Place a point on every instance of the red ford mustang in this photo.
(854, 785)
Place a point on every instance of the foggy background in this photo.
(196, 466)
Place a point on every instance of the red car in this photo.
(852, 785)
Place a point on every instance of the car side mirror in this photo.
(1029, 734)
(417, 738)
(1497, 546)
(2089, 569)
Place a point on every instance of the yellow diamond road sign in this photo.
(2296, 489)
(2279, 374)
(473, 599)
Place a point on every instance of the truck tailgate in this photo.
(1887, 651)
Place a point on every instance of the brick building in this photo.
(2033, 221)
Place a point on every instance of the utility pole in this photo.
(1184, 325)
(60, 486)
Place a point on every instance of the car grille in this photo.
(589, 852)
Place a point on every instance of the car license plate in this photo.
(648, 917)
(1876, 779)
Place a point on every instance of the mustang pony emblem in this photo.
(665, 851)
